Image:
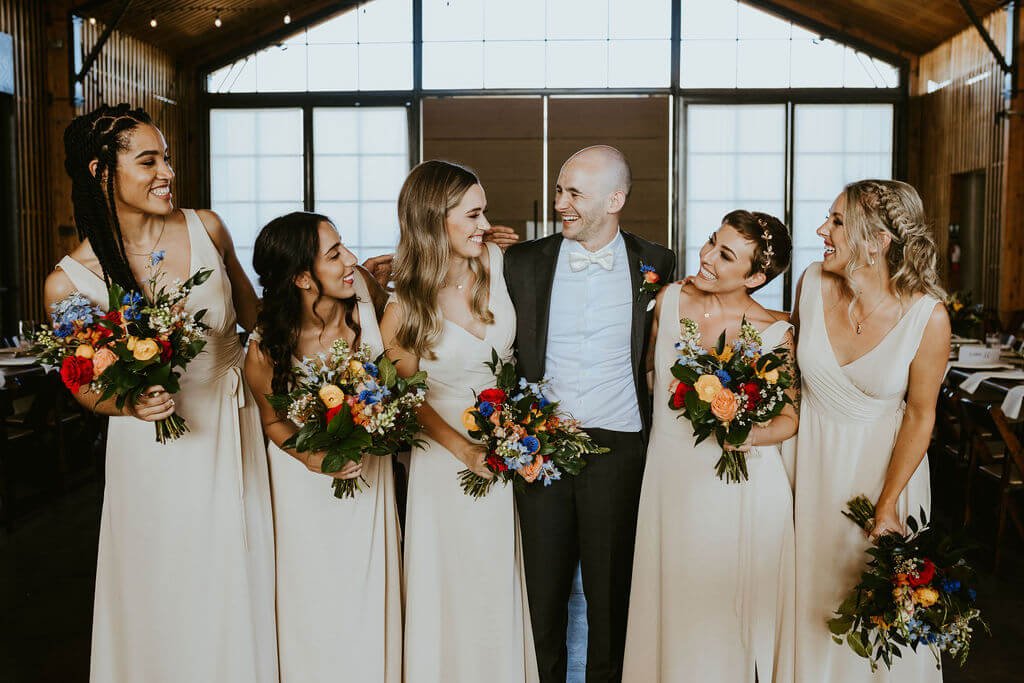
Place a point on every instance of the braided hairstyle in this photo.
(773, 246)
(286, 248)
(100, 135)
(875, 207)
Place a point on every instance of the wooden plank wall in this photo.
(955, 130)
(25, 21)
(127, 70)
(501, 138)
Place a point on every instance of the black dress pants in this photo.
(589, 519)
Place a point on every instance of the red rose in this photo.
(113, 316)
(75, 372)
(924, 576)
(679, 396)
(493, 396)
(334, 411)
(165, 350)
(752, 393)
(496, 464)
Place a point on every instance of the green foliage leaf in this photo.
(856, 643)
(388, 373)
(341, 424)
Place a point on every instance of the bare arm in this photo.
(243, 295)
(925, 380)
(468, 452)
(794, 316)
(259, 373)
(653, 338)
(154, 404)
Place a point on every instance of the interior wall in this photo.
(955, 130)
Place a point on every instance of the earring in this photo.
(871, 260)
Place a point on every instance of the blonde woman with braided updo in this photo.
(873, 340)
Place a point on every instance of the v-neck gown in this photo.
(352, 632)
(467, 618)
(849, 418)
(713, 578)
(185, 573)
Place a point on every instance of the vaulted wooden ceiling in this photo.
(185, 28)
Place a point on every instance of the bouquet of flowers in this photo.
(727, 390)
(346, 404)
(966, 318)
(916, 590)
(136, 344)
(524, 433)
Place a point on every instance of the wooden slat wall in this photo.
(500, 138)
(638, 127)
(955, 130)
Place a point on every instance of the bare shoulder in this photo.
(57, 286)
(776, 316)
(216, 229)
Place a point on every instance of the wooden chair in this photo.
(949, 440)
(982, 447)
(26, 409)
(1010, 475)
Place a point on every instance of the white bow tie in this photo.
(578, 261)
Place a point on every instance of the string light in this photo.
(152, 22)
(92, 21)
(217, 22)
(287, 18)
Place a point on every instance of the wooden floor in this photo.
(47, 569)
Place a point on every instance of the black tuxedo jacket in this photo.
(529, 275)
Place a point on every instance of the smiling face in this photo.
(465, 223)
(144, 174)
(726, 262)
(837, 248)
(588, 197)
(334, 266)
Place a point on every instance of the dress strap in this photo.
(367, 314)
(85, 281)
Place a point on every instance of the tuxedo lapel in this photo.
(640, 298)
(544, 277)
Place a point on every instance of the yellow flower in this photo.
(707, 387)
(725, 356)
(469, 419)
(926, 596)
(145, 349)
(957, 306)
(131, 342)
(772, 376)
(331, 395)
(85, 351)
(880, 623)
(355, 368)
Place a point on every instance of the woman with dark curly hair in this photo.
(314, 294)
(185, 574)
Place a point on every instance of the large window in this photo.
(728, 44)
(360, 158)
(255, 170)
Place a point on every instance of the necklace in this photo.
(160, 236)
(707, 313)
(860, 323)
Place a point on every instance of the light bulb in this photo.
(287, 18)
(152, 22)
(92, 21)
(217, 22)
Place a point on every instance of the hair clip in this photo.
(766, 235)
(762, 222)
(766, 257)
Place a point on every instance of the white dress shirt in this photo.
(588, 359)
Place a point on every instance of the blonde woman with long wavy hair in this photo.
(873, 341)
(466, 614)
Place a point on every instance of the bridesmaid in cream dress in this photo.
(339, 610)
(713, 576)
(185, 573)
(466, 610)
(873, 345)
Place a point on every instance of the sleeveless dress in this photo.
(467, 618)
(185, 573)
(339, 609)
(849, 419)
(713, 577)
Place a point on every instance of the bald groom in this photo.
(583, 322)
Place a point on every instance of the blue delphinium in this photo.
(949, 585)
(156, 257)
(371, 369)
(549, 473)
(71, 309)
(544, 402)
(485, 408)
(723, 376)
(531, 443)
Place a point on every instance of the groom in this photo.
(583, 322)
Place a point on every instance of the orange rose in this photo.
(723, 406)
(530, 472)
(102, 360)
(469, 420)
(85, 351)
(652, 277)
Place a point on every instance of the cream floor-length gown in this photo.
(467, 619)
(713, 578)
(849, 419)
(339, 602)
(185, 573)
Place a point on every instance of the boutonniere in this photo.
(651, 281)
